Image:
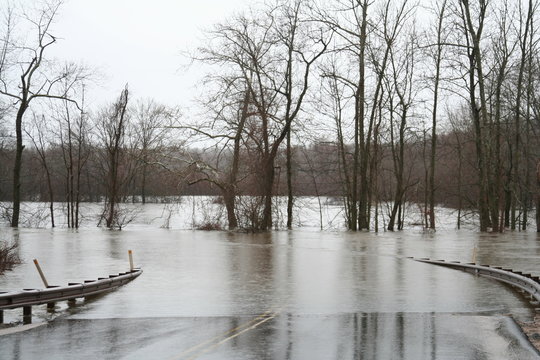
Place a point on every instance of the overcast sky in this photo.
(138, 42)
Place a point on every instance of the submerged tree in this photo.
(402, 87)
(356, 73)
(152, 127)
(37, 133)
(437, 56)
(352, 29)
(282, 79)
(270, 56)
(73, 135)
(25, 75)
(112, 125)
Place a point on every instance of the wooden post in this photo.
(41, 273)
(1, 316)
(131, 267)
(27, 315)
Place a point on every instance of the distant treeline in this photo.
(316, 172)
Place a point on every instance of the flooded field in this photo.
(301, 294)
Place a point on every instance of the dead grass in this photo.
(209, 226)
(8, 256)
(532, 330)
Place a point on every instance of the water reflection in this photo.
(340, 295)
(406, 336)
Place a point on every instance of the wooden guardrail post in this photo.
(1, 316)
(50, 306)
(41, 273)
(27, 315)
(130, 254)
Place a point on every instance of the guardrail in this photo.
(524, 281)
(52, 294)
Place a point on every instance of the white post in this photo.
(131, 267)
(41, 273)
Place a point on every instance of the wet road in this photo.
(282, 295)
(284, 336)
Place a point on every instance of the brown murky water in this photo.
(279, 295)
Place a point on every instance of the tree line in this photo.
(371, 101)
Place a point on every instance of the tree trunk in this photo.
(498, 187)
(229, 198)
(290, 198)
(268, 185)
(393, 216)
(507, 204)
(425, 210)
(460, 174)
(538, 197)
(18, 165)
(77, 200)
(143, 183)
(523, 61)
(479, 111)
(363, 214)
(229, 189)
(113, 190)
(112, 202)
(431, 192)
(51, 196)
(399, 171)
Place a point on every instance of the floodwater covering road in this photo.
(278, 295)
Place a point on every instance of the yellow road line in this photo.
(210, 348)
(212, 340)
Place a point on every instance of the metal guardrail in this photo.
(52, 294)
(526, 282)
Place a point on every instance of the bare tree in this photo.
(38, 137)
(458, 121)
(437, 56)
(153, 124)
(334, 101)
(294, 68)
(529, 142)
(365, 42)
(352, 29)
(473, 27)
(402, 86)
(223, 170)
(73, 133)
(272, 55)
(230, 108)
(112, 132)
(503, 50)
(26, 76)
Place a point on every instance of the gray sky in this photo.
(138, 42)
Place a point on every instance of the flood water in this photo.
(298, 294)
